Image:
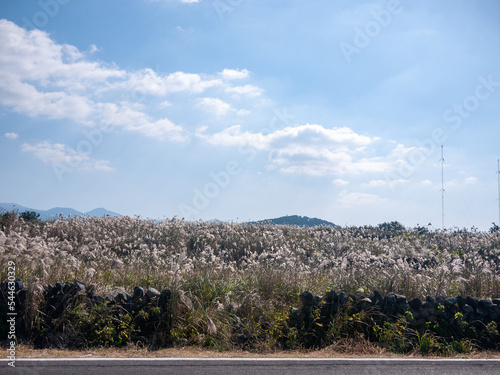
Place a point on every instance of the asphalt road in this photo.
(245, 366)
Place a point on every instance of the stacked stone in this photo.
(56, 299)
(420, 314)
(19, 298)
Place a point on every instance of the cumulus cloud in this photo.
(340, 182)
(33, 59)
(11, 135)
(247, 90)
(149, 82)
(233, 136)
(93, 48)
(219, 107)
(125, 116)
(306, 134)
(308, 149)
(102, 165)
(60, 154)
(41, 78)
(215, 105)
(231, 74)
(26, 98)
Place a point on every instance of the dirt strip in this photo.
(189, 352)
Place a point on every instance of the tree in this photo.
(7, 220)
(393, 227)
(29, 216)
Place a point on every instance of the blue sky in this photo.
(252, 109)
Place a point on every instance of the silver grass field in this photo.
(221, 270)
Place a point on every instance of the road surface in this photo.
(249, 366)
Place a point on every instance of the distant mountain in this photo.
(301, 221)
(101, 212)
(56, 211)
(13, 207)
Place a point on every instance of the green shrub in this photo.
(29, 216)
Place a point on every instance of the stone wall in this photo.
(449, 318)
(73, 315)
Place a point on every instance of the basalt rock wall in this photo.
(74, 315)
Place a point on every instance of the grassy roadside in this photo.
(358, 350)
(94, 282)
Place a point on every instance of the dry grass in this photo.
(226, 271)
(346, 349)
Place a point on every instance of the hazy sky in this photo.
(251, 109)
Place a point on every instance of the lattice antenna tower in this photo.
(442, 187)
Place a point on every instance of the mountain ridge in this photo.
(56, 211)
(301, 221)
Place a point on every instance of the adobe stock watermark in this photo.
(415, 157)
(48, 9)
(363, 37)
(93, 138)
(222, 7)
(220, 180)
(462, 111)
(11, 313)
(454, 116)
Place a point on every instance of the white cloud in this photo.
(243, 112)
(215, 105)
(103, 165)
(340, 182)
(25, 98)
(219, 107)
(231, 74)
(311, 161)
(247, 90)
(306, 134)
(471, 180)
(50, 152)
(11, 135)
(307, 149)
(165, 104)
(93, 48)
(233, 136)
(401, 152)
(426, 182)
(125, 116)
(148, 81)
(57, 153)
(161, 129)
(33, 56)
(41, 78)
